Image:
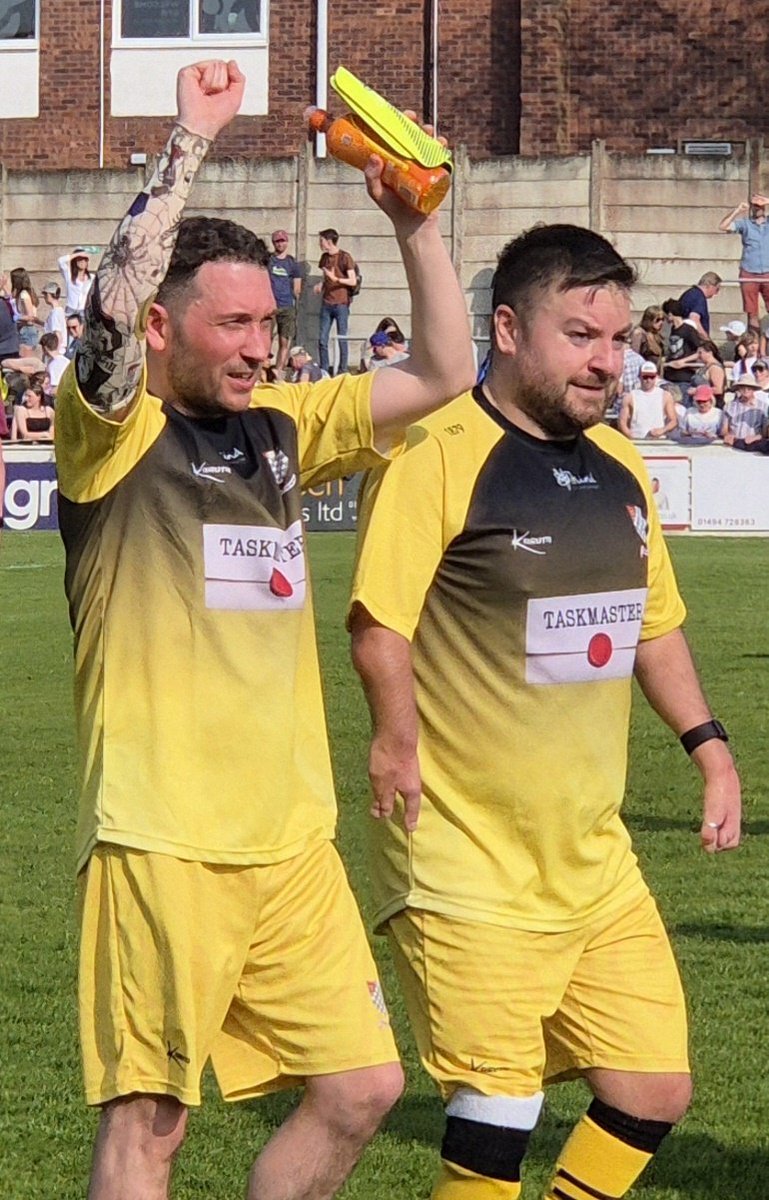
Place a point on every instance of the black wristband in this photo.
(703, 733)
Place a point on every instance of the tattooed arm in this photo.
(111, 357)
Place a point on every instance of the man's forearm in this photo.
(110, 360)
(668, 678)
(382, 659)
(441, 348)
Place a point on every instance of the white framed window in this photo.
(20, 47)
(152, 39)
(19, 24)
(188, 22)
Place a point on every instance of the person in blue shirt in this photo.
(694, 301)
(286, 280)
(749, 221)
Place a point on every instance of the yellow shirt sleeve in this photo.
(93, 453)
(333, 421)
(402, 534)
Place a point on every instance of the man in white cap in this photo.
(746, 415)
(733, 331)
(648, 411)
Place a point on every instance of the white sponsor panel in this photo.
(730, 492)
(250, 567)
(583, 638)
(669, 476)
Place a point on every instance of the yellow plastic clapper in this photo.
(397, 131)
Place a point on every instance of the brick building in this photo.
(88, 84)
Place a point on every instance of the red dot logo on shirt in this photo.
(279, 585)
(599, 650)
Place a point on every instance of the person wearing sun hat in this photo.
(77, 278)
(746, 415)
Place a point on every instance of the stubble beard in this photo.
(193, 390)
(547, 404)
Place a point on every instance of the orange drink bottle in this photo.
(351, 140)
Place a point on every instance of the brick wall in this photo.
(536, 77)
(641, 76)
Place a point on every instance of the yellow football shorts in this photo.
(504, 1010)
(264, 969)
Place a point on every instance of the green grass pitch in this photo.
(717, 909)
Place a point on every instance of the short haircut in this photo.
(710, 279)
(201, 240)
(559, 256)
(49, 342)
(329, 235)
(673, 308)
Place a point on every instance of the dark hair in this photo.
(49, 341)
(74, 256)
(389, 326)
(329, 235)
(21, 282)
(200, 240)
(673, 308)
(560, 256)
(712, 348)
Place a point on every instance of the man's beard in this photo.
(546, 404)
(193, 393)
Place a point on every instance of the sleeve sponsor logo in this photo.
(254, 567)
(584, 638)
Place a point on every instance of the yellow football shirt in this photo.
(523, 572)
(197, 692)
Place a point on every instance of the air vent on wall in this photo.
(708, 149)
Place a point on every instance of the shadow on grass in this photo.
(720, 932)
(648, 823)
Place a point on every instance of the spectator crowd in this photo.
(679, 383)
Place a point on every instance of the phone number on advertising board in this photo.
(725, 522)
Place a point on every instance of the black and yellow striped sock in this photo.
(457, 1183)
(605, 1154)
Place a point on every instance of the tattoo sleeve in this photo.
(111, 357)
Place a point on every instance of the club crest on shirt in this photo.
(641, 526)
(280, 465)
(378, 1000)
